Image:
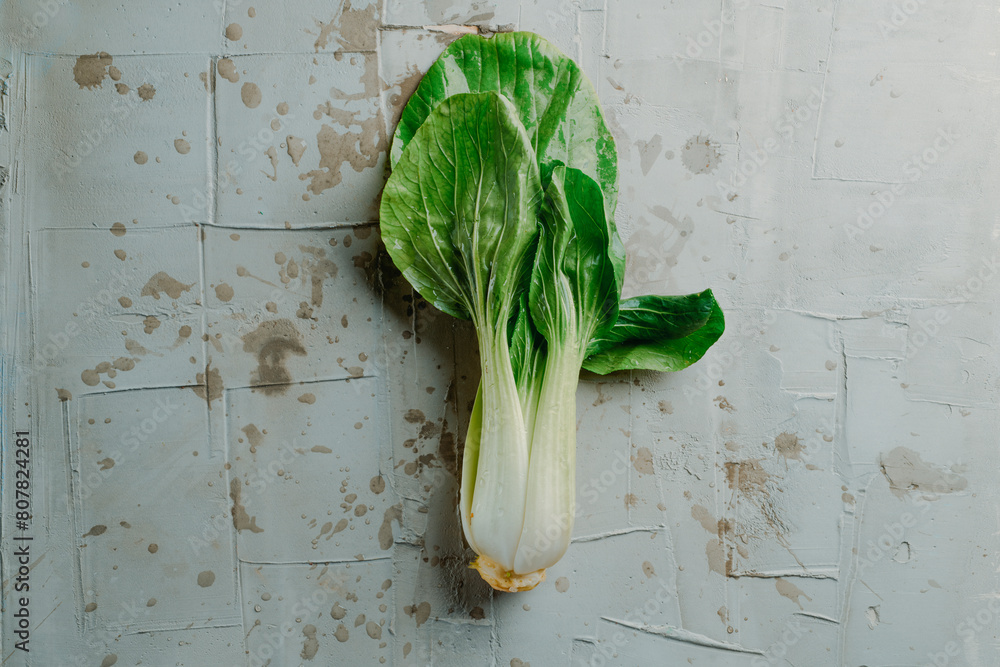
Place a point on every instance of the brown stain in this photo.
(64, 394)
(747, 477)
(705, 518)
(789, 590)
(414, 416)
(118, 229)
(647, 569)
(354, 29)
(271, 343)
(109, 660)
(341, 633)
(374, 630)
(146, 92)
(310, 645)
(254, 436)
(208, 80)
(643, 461)
(161, 283)
(114, 73)
(209, 384)
(150, 324)
(720, 559)
(420, 613)
(106, 463)
(206, 578)
(227, 70)
(140, 157)
(701, 155)
(182, 146)
(241, 520)
(406, 86)
(223, 292)
(234, 31)
(562, 584)
(99, 529)
(307, 398)
(272, 155)
(122, 89)
(377, 484)
(394, 513)
(120, 254)
(295, 147)
(123, 364)
(789, 446)
(251, 95)
(666, 407)
(320, 449)
(90, 70)
(906, 471)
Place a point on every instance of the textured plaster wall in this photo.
(246, 427)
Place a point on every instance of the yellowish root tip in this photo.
(506, 581)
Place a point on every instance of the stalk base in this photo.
(506, 581)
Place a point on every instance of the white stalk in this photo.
(551, 486)
(493, 495)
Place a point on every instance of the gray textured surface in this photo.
(254, 461)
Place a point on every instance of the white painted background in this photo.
(819, 490)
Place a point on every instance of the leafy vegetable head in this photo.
(500, 209)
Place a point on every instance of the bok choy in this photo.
(499, 209)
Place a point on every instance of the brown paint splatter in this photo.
(377, 484)
(701, 155)
(562, 584)
(254, 436)
(705, 518)
(209, 384)
(163, 283)
(748, 477)
(227, 70)
(182, 146)
(140, 157)
(296, 147)
(90, 70)
(311, 645)
(374, 630)
(109, 660)
(251, 95)
(99, 529)
(789, 446)
(341, 633)
(150, 324)
(146, 92)
(234, 31)
(647, 569)
(354, 29)
(120, 254)
(118, 229)
(906, 471)
(394, 513)
(720, 559)
(223, 292)
(241, 520)
(789, 590)
(307, 398)
(643, 461)
(272, 155)
(271, 343)
(106, 463)
(64, 394)
(206, 578)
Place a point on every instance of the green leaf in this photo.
(555, 101)
(661, 333)
(459, 212)
(574, 292)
